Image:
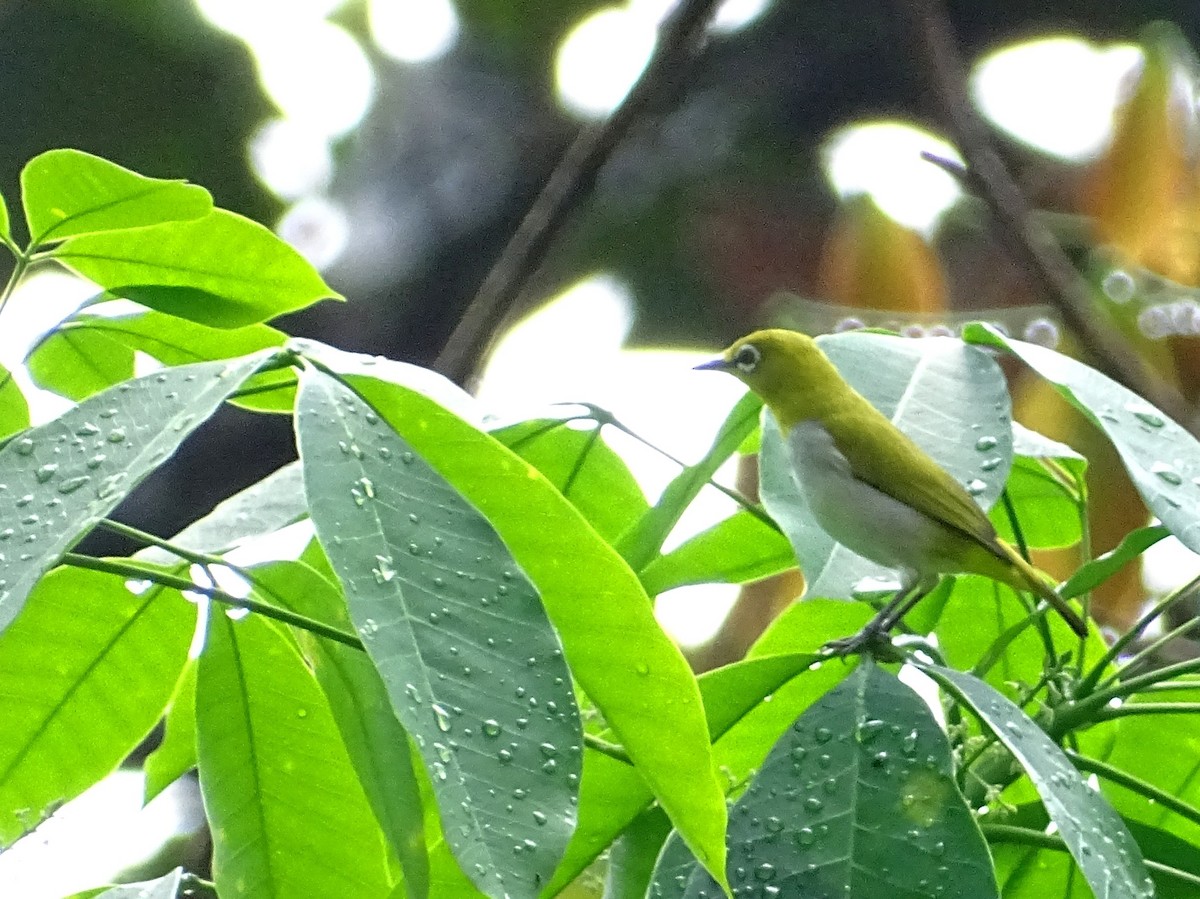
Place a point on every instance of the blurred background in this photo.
(398, 144)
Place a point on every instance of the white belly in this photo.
(860, 517)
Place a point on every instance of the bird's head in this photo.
(786, 368)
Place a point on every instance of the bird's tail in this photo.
(1040, 584)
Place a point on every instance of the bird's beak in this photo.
(718, 364)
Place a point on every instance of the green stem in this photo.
(1134, 784)
(140, 536)
(1092, 680)
(1145, 654)
(1007, 833)
(20, 266)
(604, 417)
(1150, 708)
(134, 570)
(1082, 710)
(612, 750)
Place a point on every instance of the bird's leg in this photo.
(875, 633)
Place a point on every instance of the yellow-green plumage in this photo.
(947, 532)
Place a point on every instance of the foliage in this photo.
(460, 689)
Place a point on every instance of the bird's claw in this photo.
(871, 640)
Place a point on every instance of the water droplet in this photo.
(549, 750)
(642, 668)
(384, 571)
(805, 836)
(991, 464)
(1118, 285)
(983, 444)
(413, 549)
(6, 534)
(868, 730)
(442, 717)
(96, 461)
(491, 728)
(504, 755)
(798, 753)
(550, 766)
(1167, 473)
(407, 458)
(813, 804)
(24, 447)
(822, 735)
(301, 713)
(975, 486)
(70, 485)
(1148, 417)
(116, 435)
(46, 472)
(540, 818)
(764, 872)
(774, 825)
(30, 519)
(108, 413)
(24, 501)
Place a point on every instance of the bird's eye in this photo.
(747, 358)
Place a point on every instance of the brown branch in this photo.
(680, 37)
(1029, 242)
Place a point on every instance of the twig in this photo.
(680, 37)
(1032, 246)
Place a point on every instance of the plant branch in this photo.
(680, 37)
(145, 572)
(1028, 240)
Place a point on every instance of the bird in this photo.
(870, 487)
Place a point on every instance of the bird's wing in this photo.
(887, 459)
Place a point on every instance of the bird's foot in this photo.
(872, 640)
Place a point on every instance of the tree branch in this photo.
(1029, 242)
(680, 37)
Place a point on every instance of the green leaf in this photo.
(288, 816)
(1160, 750)
(223, 270)
(377, 744)
(80, 364)
(951, 399)
(583, 467)
(472, 666)
(673, 870)
(62, 477)
(87, 670)
(858, 798)
(262, 508)
(642, 542)
(68, 193)
(617, 652)
(165, 887)
(1092, 574)
(1033, 865)
(5, 225)
(613, 795)
(176, 754)
(631, 861)
(1162, 459)
(1046, 487)
(740, 549)
(14, 410)
(1096, 837)
(88, 353)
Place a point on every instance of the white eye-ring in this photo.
(747, 358)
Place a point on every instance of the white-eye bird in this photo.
(869, 486)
